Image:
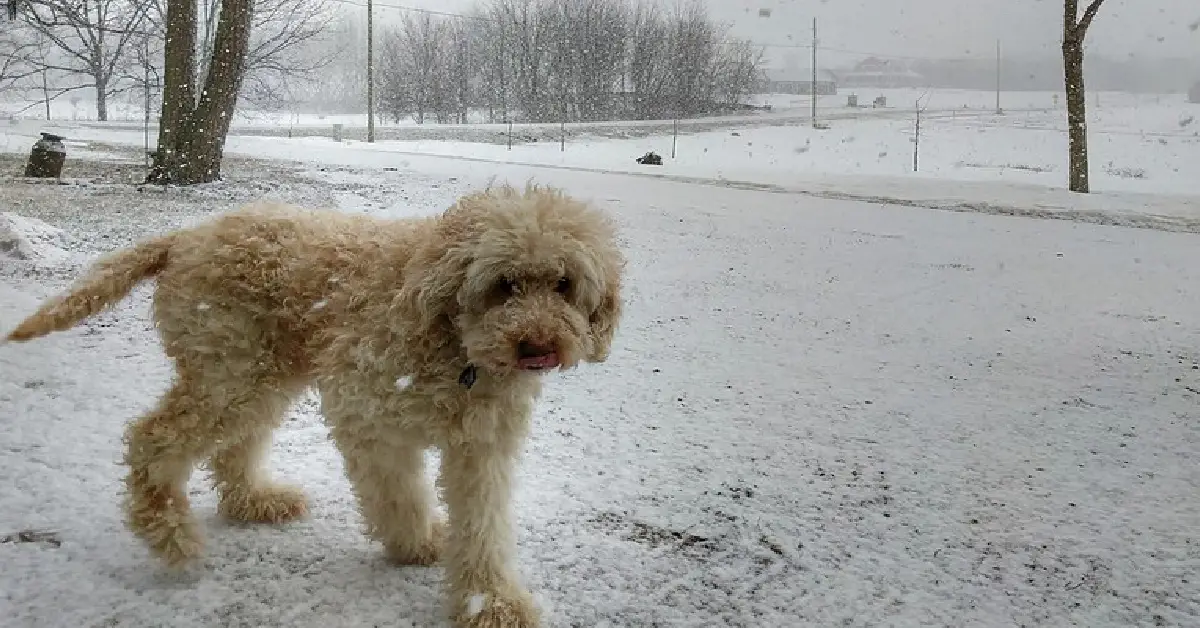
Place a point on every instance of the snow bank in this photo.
(30, 239)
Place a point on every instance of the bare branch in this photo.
(1089, 14)
(57, 92)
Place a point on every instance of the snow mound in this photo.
(30, 239)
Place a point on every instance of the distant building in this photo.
(1194, 93)
(883, 73)
(800, 82)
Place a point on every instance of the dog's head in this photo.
(525, 280)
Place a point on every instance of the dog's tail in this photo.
(106, 282)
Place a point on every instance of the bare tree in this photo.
(694, 45)
(413, 68)
(491, 42)
(18, 52)
(587, 38)
(192, 130)
(461, 72)
(395, 90)
(649, 61)
(685, 64)
(530, 53)
(738, 70)
(279, 36)
(600, 67)
(92, 39)
(282, 38)
(556, 17)
(337, 59)
(1075, 27)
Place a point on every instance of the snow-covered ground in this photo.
(1140, 145)
(818, 412)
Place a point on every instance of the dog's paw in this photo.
(181, 552)
(267, 504)
(488, 610)
(167, 529)
(177, 543)
(426, 552)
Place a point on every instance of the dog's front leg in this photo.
(483, 586)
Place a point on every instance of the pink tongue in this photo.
(548, 361)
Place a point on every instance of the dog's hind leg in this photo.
(394, 496)
(160, 450)
(192, 421)
(246, 491)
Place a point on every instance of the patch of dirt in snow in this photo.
(102, 205)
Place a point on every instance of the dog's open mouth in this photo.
(539, 362)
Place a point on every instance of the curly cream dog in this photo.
(416, 332)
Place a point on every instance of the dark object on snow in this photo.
(33, 536)
(12, 9)
(47, 157)
(650, 159)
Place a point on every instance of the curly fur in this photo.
(384, 317)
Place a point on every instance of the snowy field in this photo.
(818, 412)
(1140, 145)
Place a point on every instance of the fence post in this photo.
(917, 137)
(674, 134)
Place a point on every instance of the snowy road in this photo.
(818, 413)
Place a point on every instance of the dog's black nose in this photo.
(533, 349)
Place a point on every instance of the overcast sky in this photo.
(941, 28)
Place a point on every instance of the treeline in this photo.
(563, 60)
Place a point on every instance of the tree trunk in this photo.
(192, 134)
(101, 100)
(1076, 113)
(178, 96)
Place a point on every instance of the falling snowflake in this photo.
(475, 604)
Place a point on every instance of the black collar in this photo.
(468, 376)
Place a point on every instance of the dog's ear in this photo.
(603, 321)
(432, 279)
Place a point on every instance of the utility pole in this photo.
(814, 73)
(917, 137)
(146, 84)
(998, 109)
(370, 71)
(504, 84)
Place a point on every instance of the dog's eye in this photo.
(505, 288)
(564, 286)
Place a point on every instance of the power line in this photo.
(401, 7)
